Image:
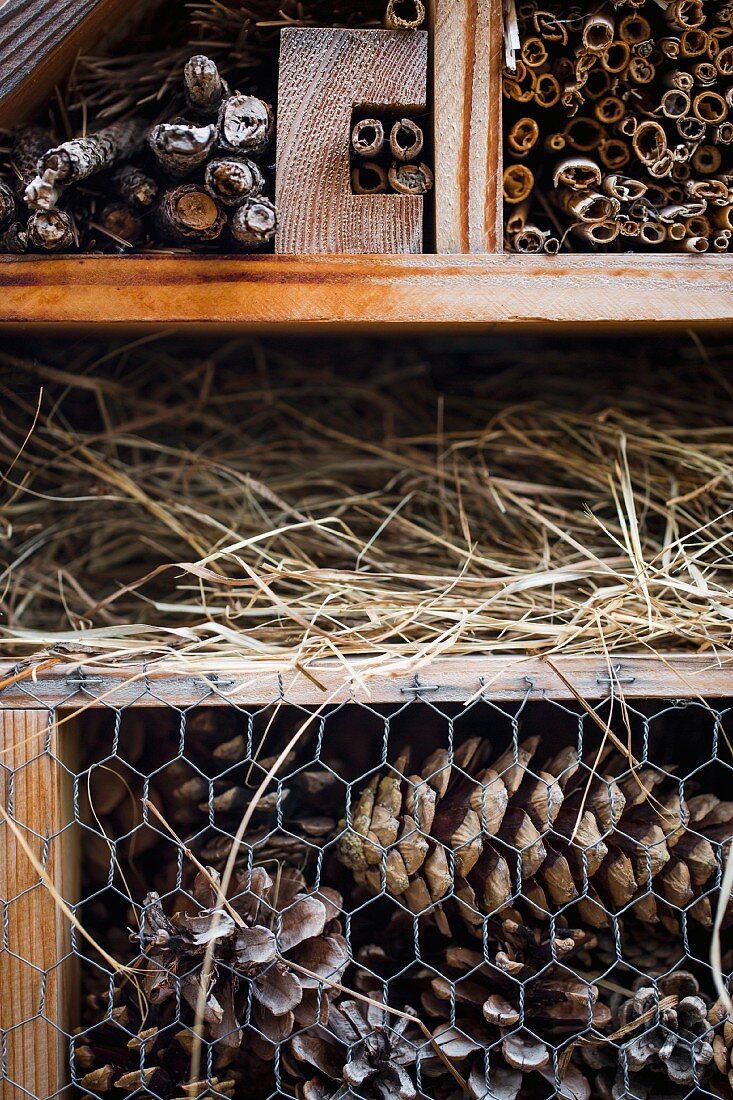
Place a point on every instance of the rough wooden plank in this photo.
(35, 794)
(324, 74)
(467, 60)
(38, 42)
(447, 679)
(367, 291)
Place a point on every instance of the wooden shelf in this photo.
(445, 679)
(281, 291)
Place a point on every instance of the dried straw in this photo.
(252, 504)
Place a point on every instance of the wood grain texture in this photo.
(324, 74)
(467, 61)
(38, 42)
(446, 679)
(37, 934)
(348, 291)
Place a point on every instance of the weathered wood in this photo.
(446, 679)
(324, 75)
(38, 42)
(467, 62)
(285, 292)
(37, 1000)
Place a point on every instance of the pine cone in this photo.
(557, 833)
(675, 1042)
(364, 1048)
(121, 1053)
(521, 985)
(250, 958)
(295, 836)
(722, 1049)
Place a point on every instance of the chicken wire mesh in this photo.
(430, 899)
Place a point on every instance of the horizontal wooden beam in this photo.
(447, 679)
(283, 291)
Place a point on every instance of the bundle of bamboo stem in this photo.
(619, 131)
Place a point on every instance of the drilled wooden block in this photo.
(324, 75)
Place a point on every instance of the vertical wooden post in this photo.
(36, 983)
(467, 63)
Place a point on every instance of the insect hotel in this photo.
(366, 467)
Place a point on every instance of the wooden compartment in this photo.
(43, 715)
(467, 281)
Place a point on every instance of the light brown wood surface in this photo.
(38, 934)
(39, 40)
(446, 679)
(467, 61)
(324, 75)
(280, 291)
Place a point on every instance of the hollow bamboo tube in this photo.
(410, 179)
(406, 140)
(599, 232)
(616, 57)
(710, 107)
(367, 138)
(404, 15)
(577, 173)
(598, 30)
(369, 178)
(523, 136)
(517, 183)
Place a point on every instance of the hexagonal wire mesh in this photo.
(426, 899)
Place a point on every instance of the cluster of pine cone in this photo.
(188, 182)
(541, 928)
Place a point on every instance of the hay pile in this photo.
(260, 502)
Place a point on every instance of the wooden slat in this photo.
(447, 679)
(37, 933)
(38, 42)
(324, 75)
(367, 291)
(467, 60)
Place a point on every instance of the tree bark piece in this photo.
(188, 214)
(135, 187)
(122, 222)
(30, 143)
(181, 147)
(467, 64)
(323, 76)
(245, 124)
(35, 795)
(205, 88)
(254, 223)
(82, 157)
(233, 180)
(51, 230)
(7, 204)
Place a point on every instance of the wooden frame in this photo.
(32, 699)
(470, 281)
(355, 291)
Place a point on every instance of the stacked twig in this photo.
(619, 133)
(183, 181)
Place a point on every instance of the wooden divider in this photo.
(467, 63)
(38, 989)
